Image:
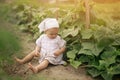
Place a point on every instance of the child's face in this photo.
(52, 33)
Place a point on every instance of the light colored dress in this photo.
(48, 47)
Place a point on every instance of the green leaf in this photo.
(105, 41)
(103, 33)
(99, 32)
(84, 58)
(72, 32)
(102, 65)
(93, 47)
(109, 56)
(94, 72)
(107, 76)
(117, 39)
(75, 64)
(110, 49)
(91, 60)
(85, 51)
(75, 32)
(114, 69)
(77, 46)
(71, 54)
(86, 34)
(100, 22)
(88, 45)
(97, 50)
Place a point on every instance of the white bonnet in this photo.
(48, 23)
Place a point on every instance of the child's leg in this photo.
(39, 67)
(26, 58)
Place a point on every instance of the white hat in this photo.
(48, 23)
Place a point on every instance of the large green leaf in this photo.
(87, 45)
(77, 47)
(105, 41)
(97, 50)
(71, 54)
(99, 32)
(93, 47)
(75, 64)
(114, 69)
(66, 32)
(86, 34)
(85, 58)
(103, 65)
(117, 39)
(109, 56)
(100, 66)
(72, 32)
(94, 72)
(89, 59)
(106, 76)
(110, 49)
(104, 34)
(100, 22)
(85, 51)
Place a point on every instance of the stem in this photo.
(56, 15)
(87, 14)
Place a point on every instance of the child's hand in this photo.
(37, 53)
(56, 54)
(59, 51)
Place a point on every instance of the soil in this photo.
(58, 72)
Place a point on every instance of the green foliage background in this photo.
(9, 45)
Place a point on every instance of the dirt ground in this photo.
(58, 72)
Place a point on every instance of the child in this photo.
(49, 46)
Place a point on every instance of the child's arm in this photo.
(60, 51)
(37, 51)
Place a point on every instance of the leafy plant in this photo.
(97, 47)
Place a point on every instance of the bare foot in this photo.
(18, 60)
(34, 70)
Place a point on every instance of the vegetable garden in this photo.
(96, 48)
